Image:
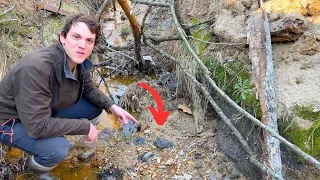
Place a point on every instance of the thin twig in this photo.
(110, 49)
(6, 11)
(152, 3)
(208, 42)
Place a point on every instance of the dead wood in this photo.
(287, 29)
(260, 52)
(51, 8)
(176, 5)
(207, 77)
(104, 4)
(252, 156)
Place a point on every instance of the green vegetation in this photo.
(232, 77)
(200, 38)
(306, 139)
(125, 31)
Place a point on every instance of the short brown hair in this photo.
(90, 21)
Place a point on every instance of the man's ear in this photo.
(62, 38)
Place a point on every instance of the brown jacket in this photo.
(40, 85)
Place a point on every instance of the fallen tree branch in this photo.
(260, 53)
(252, 157)
(245, 113)
(104, 4)
(185, 28)
(122, 54)
(160, 39)
(293, 147)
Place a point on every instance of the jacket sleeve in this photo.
(33, 97)
(94, 95)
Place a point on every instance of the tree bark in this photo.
(136, 32)
(260, 53)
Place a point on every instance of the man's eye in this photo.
(76, 36)
(90, 41)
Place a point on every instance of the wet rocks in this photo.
(139, 141)
(129, 128)
(162, 143)
(86, 155)
(111, 173)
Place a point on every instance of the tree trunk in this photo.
(260, 52)
(136, 32)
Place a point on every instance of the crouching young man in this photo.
(49, 94)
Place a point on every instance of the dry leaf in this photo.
(184, 108)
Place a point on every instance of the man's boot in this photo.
(36, 171)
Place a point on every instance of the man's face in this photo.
(78, 43)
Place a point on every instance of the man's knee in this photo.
(95, 113)
(53, 153)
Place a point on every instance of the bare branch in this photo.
(163, 38)
(179, 18)
(152, 3)
(104, 4)
(252, 156)
(297, 150)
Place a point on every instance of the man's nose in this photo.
(82, 43)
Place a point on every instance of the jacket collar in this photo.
(85, 66)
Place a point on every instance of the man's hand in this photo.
(122, 114)
(93, 134)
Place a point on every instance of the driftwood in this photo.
(287, 29)
(51, 8)
(260, 53)
(204, 69)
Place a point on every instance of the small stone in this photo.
(226, 178)
(169, 162)
(190, 162)
(197, 155)
(86, 155)
(139, 141)
(145, 157)
(212, 177)
(163, 143)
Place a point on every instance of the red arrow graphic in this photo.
(160, 116)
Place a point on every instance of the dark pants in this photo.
(48, 152)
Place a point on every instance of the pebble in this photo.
(146, 156)
(163, 143)
(86, 155)
(226, 178)
(139, 141)
(129, 128)
(212, 177)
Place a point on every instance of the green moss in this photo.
(307, 112)
(307, 140)
(304, 140)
